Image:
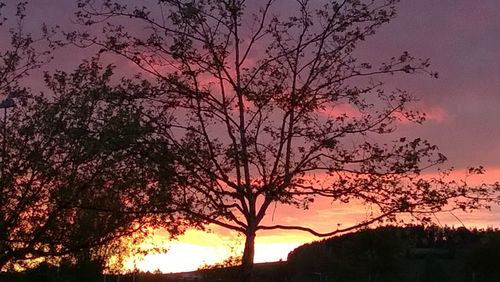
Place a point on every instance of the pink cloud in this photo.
(437, 114)
(433, 114)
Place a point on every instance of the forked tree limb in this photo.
(327, 234)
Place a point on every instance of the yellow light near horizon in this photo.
(196, 249)
(182, 257)
(189, 252)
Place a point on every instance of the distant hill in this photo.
(412, 254)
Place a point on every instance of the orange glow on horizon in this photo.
(196, 249)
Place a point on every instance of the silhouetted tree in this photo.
(264, 106)
(18, 56)
(374, 255)
(79, 167)
(20, 51)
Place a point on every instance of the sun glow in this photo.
(196, 249)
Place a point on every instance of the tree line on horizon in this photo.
(229, 110)
(391, 253)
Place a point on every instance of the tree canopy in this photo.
(264, 106)
(76, 163)
(76, 157)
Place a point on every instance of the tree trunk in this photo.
(248, 256)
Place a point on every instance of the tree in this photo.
(20, 54)
(370, 254)
(76, 162)
(480, 260)
(261, 105)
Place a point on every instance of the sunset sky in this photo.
(463, 109)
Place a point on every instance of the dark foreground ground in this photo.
(386, 254)
(274, 271)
